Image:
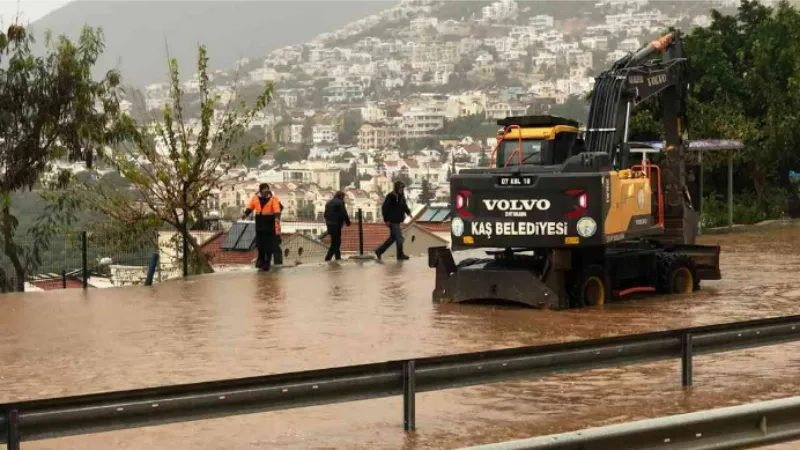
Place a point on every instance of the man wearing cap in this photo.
(265, 208)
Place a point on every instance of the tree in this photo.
(351, 122)
(745, 70)
(306, 212)
(574, 108)
(426, 193)
(175, 170)
(380, 167)
(484, 159)
(402, 177)
(50, 108)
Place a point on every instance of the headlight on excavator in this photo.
(457, 226)
(587, 227)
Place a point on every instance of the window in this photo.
(531, 152)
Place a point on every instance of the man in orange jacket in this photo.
(265, 208)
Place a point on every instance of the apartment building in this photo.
(420, 121)
(324, 134)
(379, 135)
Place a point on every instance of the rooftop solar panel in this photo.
(247, 238)
(233, 235)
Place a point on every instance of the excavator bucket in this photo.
(484, 280)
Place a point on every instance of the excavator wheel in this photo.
(588, 287)
(676, 274)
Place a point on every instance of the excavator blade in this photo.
(706, 260)
(484, 280)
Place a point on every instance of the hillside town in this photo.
(413, 94)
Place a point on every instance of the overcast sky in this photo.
(29, 10)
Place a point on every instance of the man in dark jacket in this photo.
(394, 212)
(335, 218)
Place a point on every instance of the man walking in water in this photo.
(394, 213)
(335, 218)
(265, 207)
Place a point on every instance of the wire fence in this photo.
(81, 259)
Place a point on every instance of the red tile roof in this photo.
(435, 227)
(218, 256)
(473, 148)
(374, 235)
(53, 284)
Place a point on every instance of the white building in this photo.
(263, 74)
(541, 22)
(420, 121)
(500, 10)
(343, 91)
(296, 133)
(629, 45)
(324, 134)
(421, 23)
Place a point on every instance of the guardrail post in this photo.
(360, 215)
(686, 359)
(409, 392)
(63, 278)
(12, 430)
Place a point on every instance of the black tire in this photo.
(676, 274)
(588, 287)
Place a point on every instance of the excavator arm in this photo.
(631, 81)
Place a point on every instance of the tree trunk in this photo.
(198, 260)
(18, 283)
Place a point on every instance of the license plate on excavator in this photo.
(510, 180)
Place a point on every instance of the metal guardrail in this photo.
(737, 427)
(50, 418)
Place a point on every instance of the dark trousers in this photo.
(336, 242)
(266, 246)
(277, 253)
(395, 236)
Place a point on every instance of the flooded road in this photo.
(235, 325)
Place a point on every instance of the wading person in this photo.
(336, 217)
(265, 209)
(394, 213)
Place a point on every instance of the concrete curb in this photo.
(765, 225)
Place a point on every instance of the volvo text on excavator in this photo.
(567, 219)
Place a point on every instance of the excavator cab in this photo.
(536, 140)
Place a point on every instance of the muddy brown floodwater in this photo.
(235, 325)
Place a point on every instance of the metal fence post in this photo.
(409, 392)
(151, 269)
(185, 256)
(360, 215)
(686, 359)
(63, 278)
(12, 430)
(85, 258)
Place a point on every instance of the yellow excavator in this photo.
(566, 218)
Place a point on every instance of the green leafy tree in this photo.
(403, 177)
(575, 108)
(50, 108)
(349, 125)
(379, 159)
(745, 86)
(172, 183)
(306, 212)
(427, 193)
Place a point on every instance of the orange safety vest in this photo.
(273, 206)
